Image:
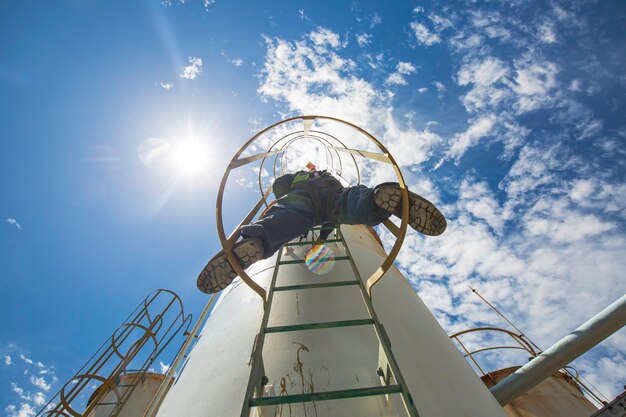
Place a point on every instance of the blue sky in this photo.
(509, 115)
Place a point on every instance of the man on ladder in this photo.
(309, 198)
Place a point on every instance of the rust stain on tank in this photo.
(283, 391)
(298, 367)
(298, 308)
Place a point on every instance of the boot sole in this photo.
(423, 215)
(218, 273)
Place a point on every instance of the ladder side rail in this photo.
(255, 380)
(381, 334)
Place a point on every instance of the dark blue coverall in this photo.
(319, 200)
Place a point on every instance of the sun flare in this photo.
(190, 157)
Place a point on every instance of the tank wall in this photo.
(557, 396)
(440, 380)
(215, 378)
(139, 399)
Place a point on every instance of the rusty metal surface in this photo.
(586, 336)
(557, 396)
(524, 343)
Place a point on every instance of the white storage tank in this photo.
(214, 380)
(145, 387)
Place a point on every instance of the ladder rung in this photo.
(324, 325)
(322, 396)
(301, 261)
(316, 285)
(324, 227)
(311, 242)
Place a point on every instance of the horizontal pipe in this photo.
(588, 335)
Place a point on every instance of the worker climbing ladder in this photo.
(349, 339)
(391, 381)
(390, 377)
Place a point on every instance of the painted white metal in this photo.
(438, 377)
(588, 335)
(213, 381)
(215, 378)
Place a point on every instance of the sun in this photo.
(190, 157)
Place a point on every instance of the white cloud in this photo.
(535, 242)
(556, 220)
(191, 71)
(466, 42)
(477, 199)
(405, 68)
(478, 129)
(486, 77)
(40, 382)
(441, 89)
(581, 190)
(25, 411)
(485, 72)
(440, 23)
(323, 36)
(19, 391)
(14, 222)
(8, 360)
(547, 33)
(363, 39)
(205, 3)
(27, 360)
(311, 80)
(596, 371)
(422, 90)
(575, 85)
(536, 166)
(166, 86)
(164, 367)
(39, 399)
(246, 183)
(402, 69)
(409, 146)
(435, 295)
(376, 20)
(424, 35)
(396, 79)
(235, 61)
(497, 31)
(534, 82)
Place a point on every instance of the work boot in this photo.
(423, 215)
(218, 273)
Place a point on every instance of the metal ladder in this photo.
(391, 378)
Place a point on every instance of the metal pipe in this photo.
(588, 335)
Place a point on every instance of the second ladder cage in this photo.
(339, 333)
